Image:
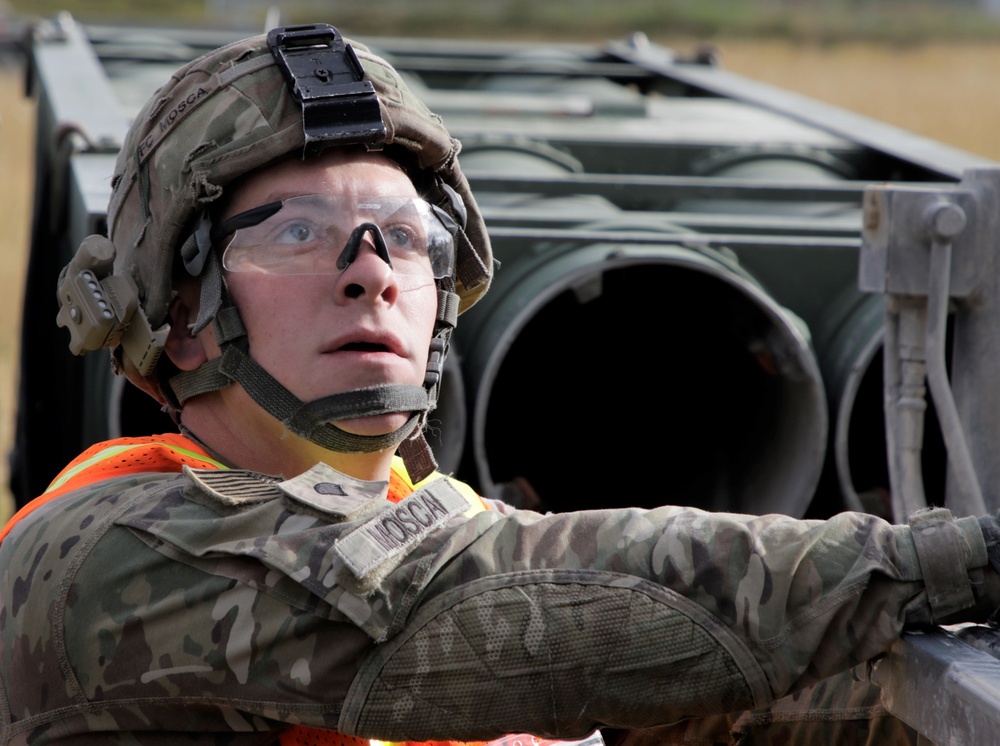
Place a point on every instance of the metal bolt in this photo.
(946, 220)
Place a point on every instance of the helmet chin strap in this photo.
(315, 420)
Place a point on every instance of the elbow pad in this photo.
(553, 653)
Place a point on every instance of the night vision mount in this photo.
(339, 107)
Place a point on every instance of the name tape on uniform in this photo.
(399, 527)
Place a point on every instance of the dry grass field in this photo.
(16, 148)
(940, 90)
(944, 91)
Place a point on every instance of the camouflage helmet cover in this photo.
(228, 113)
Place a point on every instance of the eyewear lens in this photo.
(307, 235)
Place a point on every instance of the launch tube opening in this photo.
(668, 358)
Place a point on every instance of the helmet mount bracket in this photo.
(324, 74)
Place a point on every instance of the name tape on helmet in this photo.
(173, 116)
(182, 107)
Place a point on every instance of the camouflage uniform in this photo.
(844, 709)
(222, 604)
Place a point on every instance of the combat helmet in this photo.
(298, 90)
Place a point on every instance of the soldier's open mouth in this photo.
(364, 347)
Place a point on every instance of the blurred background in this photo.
(927, 66)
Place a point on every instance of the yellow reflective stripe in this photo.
(112, 451)
(476, 504)
(193, 454)
(106, 453)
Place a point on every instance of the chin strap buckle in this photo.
(435, 362)
(339, 107)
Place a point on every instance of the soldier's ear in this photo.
(185, 350)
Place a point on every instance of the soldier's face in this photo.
(322, 334)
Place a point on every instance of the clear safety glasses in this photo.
(323, 233)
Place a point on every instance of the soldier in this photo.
(290, 227)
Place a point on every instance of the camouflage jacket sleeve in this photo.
(229, 601)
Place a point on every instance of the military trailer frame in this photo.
(804, 269)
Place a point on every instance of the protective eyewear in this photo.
(323, 233)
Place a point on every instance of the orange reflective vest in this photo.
(169, 453)
(166, 453)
